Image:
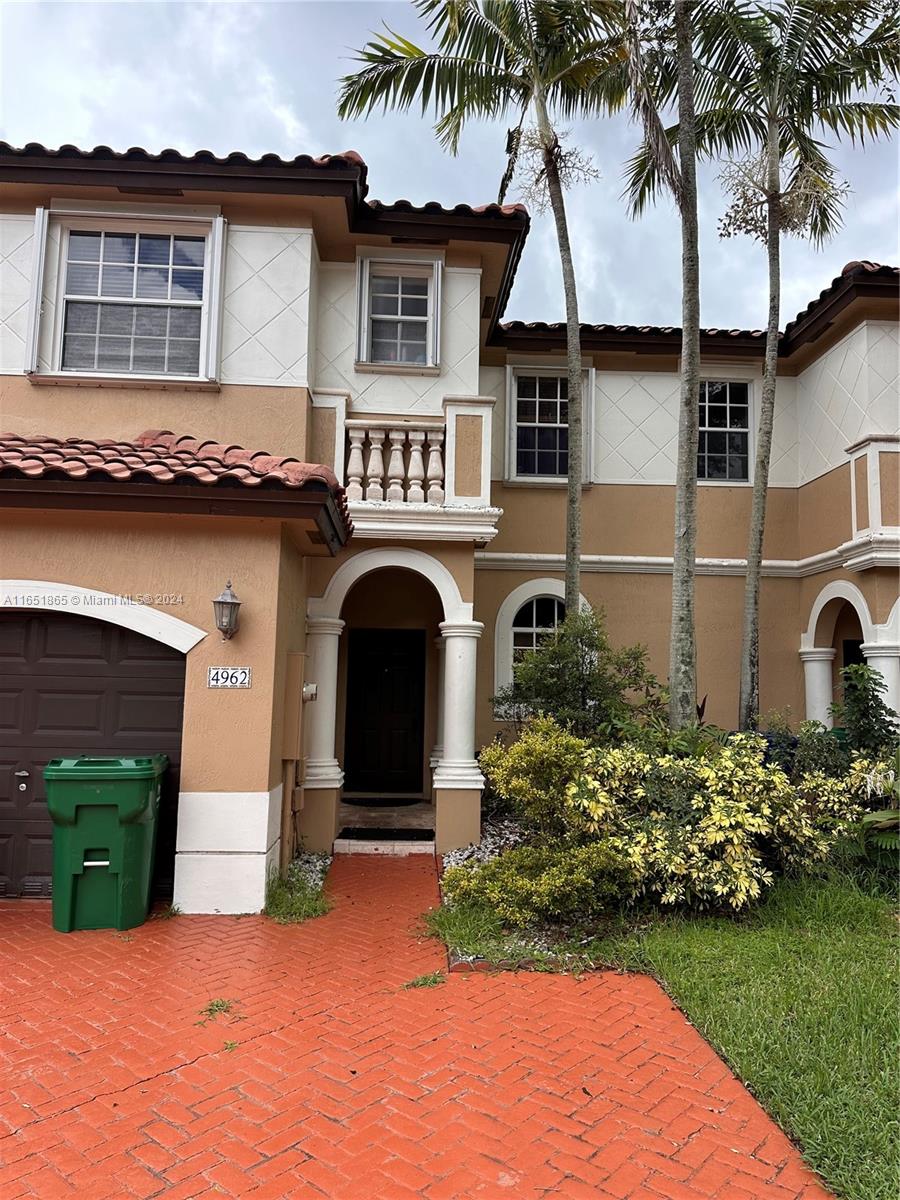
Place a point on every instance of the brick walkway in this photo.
(328, 1079)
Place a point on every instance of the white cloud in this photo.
(263, 77)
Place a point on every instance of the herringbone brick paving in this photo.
(328, 1078)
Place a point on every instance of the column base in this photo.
(318, 819)
(457, 821)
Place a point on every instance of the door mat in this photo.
(356, 833)
(382, 801)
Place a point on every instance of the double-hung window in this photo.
(541, 446)
(133, 303)
(398, 319)
(125, 294)
(724, 447)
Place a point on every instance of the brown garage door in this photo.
(73, 685)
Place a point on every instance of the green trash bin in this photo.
(104, 813)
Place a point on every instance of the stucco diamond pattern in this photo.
(636, 431)
(265, 323)
(336, 347)
(834, 405)
(16, 236)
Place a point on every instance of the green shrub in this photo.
(819, 750)
(871, 726)
(577, 677)
(532, 884)
(531, 775)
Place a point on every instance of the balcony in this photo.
(415, 477)
(874, 503)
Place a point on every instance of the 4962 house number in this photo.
(228, 677)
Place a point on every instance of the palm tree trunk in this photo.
(682, 649)
(549, 147)
(748, 713)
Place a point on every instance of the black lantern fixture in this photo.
(227, 608)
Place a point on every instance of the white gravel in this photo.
(496, 836)
(311, 867)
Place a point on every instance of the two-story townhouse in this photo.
(218, 369)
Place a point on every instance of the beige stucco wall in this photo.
(227, 743)
(457, 557)
(258, 418)
(637, 609)
(637, 519)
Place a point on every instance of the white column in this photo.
(458, 767)
(817, 662)
(438, 752)
(885, 657)
(323, 643)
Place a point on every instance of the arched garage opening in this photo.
(73, 685)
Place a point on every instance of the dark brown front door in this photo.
(385, 711)
(73, 685)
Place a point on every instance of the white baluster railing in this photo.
(414, 452)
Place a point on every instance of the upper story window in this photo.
(122, 293)
(398, 314)
(724, 448)
(133, 303)
(542, 425)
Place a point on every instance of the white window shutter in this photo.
(215, 295)
(35, 300)
(362, 309)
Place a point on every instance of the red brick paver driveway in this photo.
(327, 1078)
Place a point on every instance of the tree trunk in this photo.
(682, 650)
(748, 712)
(573, 346)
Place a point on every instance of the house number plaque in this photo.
(228, 677)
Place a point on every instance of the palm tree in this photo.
(652, 86)
(771, 77)
(535, 59)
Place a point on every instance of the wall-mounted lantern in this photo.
(227, 608)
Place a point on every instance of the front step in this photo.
(396, 842)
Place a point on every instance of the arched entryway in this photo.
(404, 605)
(73, 685)
(840, 632)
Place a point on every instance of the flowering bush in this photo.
(531, 775)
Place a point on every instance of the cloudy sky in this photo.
(263, 77)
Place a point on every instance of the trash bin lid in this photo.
(146, 766)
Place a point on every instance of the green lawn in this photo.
(800, 998)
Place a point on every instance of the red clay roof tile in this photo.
(160, 456)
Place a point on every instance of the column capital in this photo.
(817, 653)
(330, 626)
(881, 649)
(466, 629)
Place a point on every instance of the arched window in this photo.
(533, 622)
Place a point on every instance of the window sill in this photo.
(740, 483)
(367, 368)
(144, 382)
(541, 481)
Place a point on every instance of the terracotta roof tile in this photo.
(160, 456)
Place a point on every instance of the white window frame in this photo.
(751, 378)
(588, 379)
(65, 220)
(429, 268)
(531, 589)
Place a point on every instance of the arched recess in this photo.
(103, 606)
(329, 605)
(531, 589)
(825, 609)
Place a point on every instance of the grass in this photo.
(219, 1007)
(799, 997)
(292, 897)
(435, 979)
